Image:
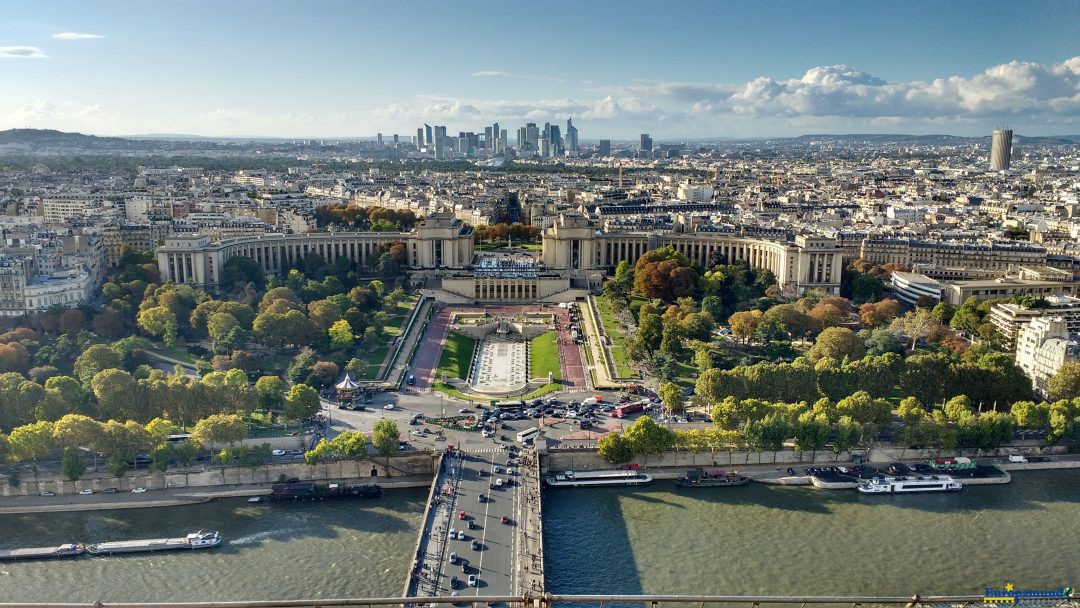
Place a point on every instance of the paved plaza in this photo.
(502, 365)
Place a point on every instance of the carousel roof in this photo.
(347, 383)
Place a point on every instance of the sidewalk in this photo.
(529, 554)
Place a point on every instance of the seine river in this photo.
(271, 551)
(772, 540)
(750, 540)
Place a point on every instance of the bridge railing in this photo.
(549, 600)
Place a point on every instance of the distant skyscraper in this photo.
(555, 139)
(429, 141)
(571, 137)
(395, 140)
(502, 141)
(1001, 150)
(605, 147)
(378, 140)
(495, 138)
(489, 139)
(532, 135)
(646, 143)
(420, 138)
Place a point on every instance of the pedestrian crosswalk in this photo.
(498, 450)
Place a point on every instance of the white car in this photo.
(453, 533)
(472, 580)
(487, 433)
(277, 452)
(138, 490)
(388, 406)
(416, 434)
(463, 410)
(86, 492)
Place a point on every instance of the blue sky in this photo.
(676, 69)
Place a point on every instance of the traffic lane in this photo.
(493, 560)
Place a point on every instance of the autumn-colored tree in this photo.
(878, 314)
(743, 324)
(665, 274)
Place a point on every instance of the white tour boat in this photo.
(907, 483)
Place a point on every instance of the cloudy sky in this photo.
(675, 69)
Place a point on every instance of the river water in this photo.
(750, 540)
(271, 551)
(773, 540)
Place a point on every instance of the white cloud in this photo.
(76, 36)
(21, 52)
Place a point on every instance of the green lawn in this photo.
(456, 356)
(175, 352)
(614, 330)
(544, 356)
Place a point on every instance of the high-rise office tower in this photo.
(645, 144)
(545, 148)
(555, 136)
(522, 139)
(395, 140)
(429, 141)
(489, 140)
(605, 147)
(571, 137)
(420, 138)
(502, 141)
(532, 135)
(1001, 150)
(378, 140)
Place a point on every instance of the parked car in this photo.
(48, 493)
(472, 580)
(139, 490)
(453, 558)
(277, 452)
(111, 490)
(461, 515)
(86, 492)
(388, 406)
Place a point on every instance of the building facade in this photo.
(1042, 347)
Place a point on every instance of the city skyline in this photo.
(354, 70)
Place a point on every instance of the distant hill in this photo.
(32, 139)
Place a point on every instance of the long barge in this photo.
(65, 550)
(195, 540)
(582, 479)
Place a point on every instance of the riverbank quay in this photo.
(425, 577)
(419, 463)
(167, 497)
(421, 538)
(773, 474)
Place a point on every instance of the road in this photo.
(488, 547)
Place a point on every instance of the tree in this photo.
(302, 402)
(1030, 415)
(114, 390)
(878, 314)
(270, 393)
(787, 318)
(385, 437)
(872, 414)
(879, 341)
(76, 430)
(72, 321)
(837, 343)
(664, 273)
(219, 428)
(31, 441)
(159, 321)
(324, 314)
(743, 324)
(109, 324)
(811, 431)
(242, 269)
(219, 325)
(341, 335)
(647, 437)
(1066, 382)
(672, 397)
(323, 374)
(915, 324)
(613, 448)
(93, 360)
(72, 464)
(159, 430)
(848, 435)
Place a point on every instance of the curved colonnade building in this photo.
(440, 254)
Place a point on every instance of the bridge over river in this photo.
(482, 523)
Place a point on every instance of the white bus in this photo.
(528, 435)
